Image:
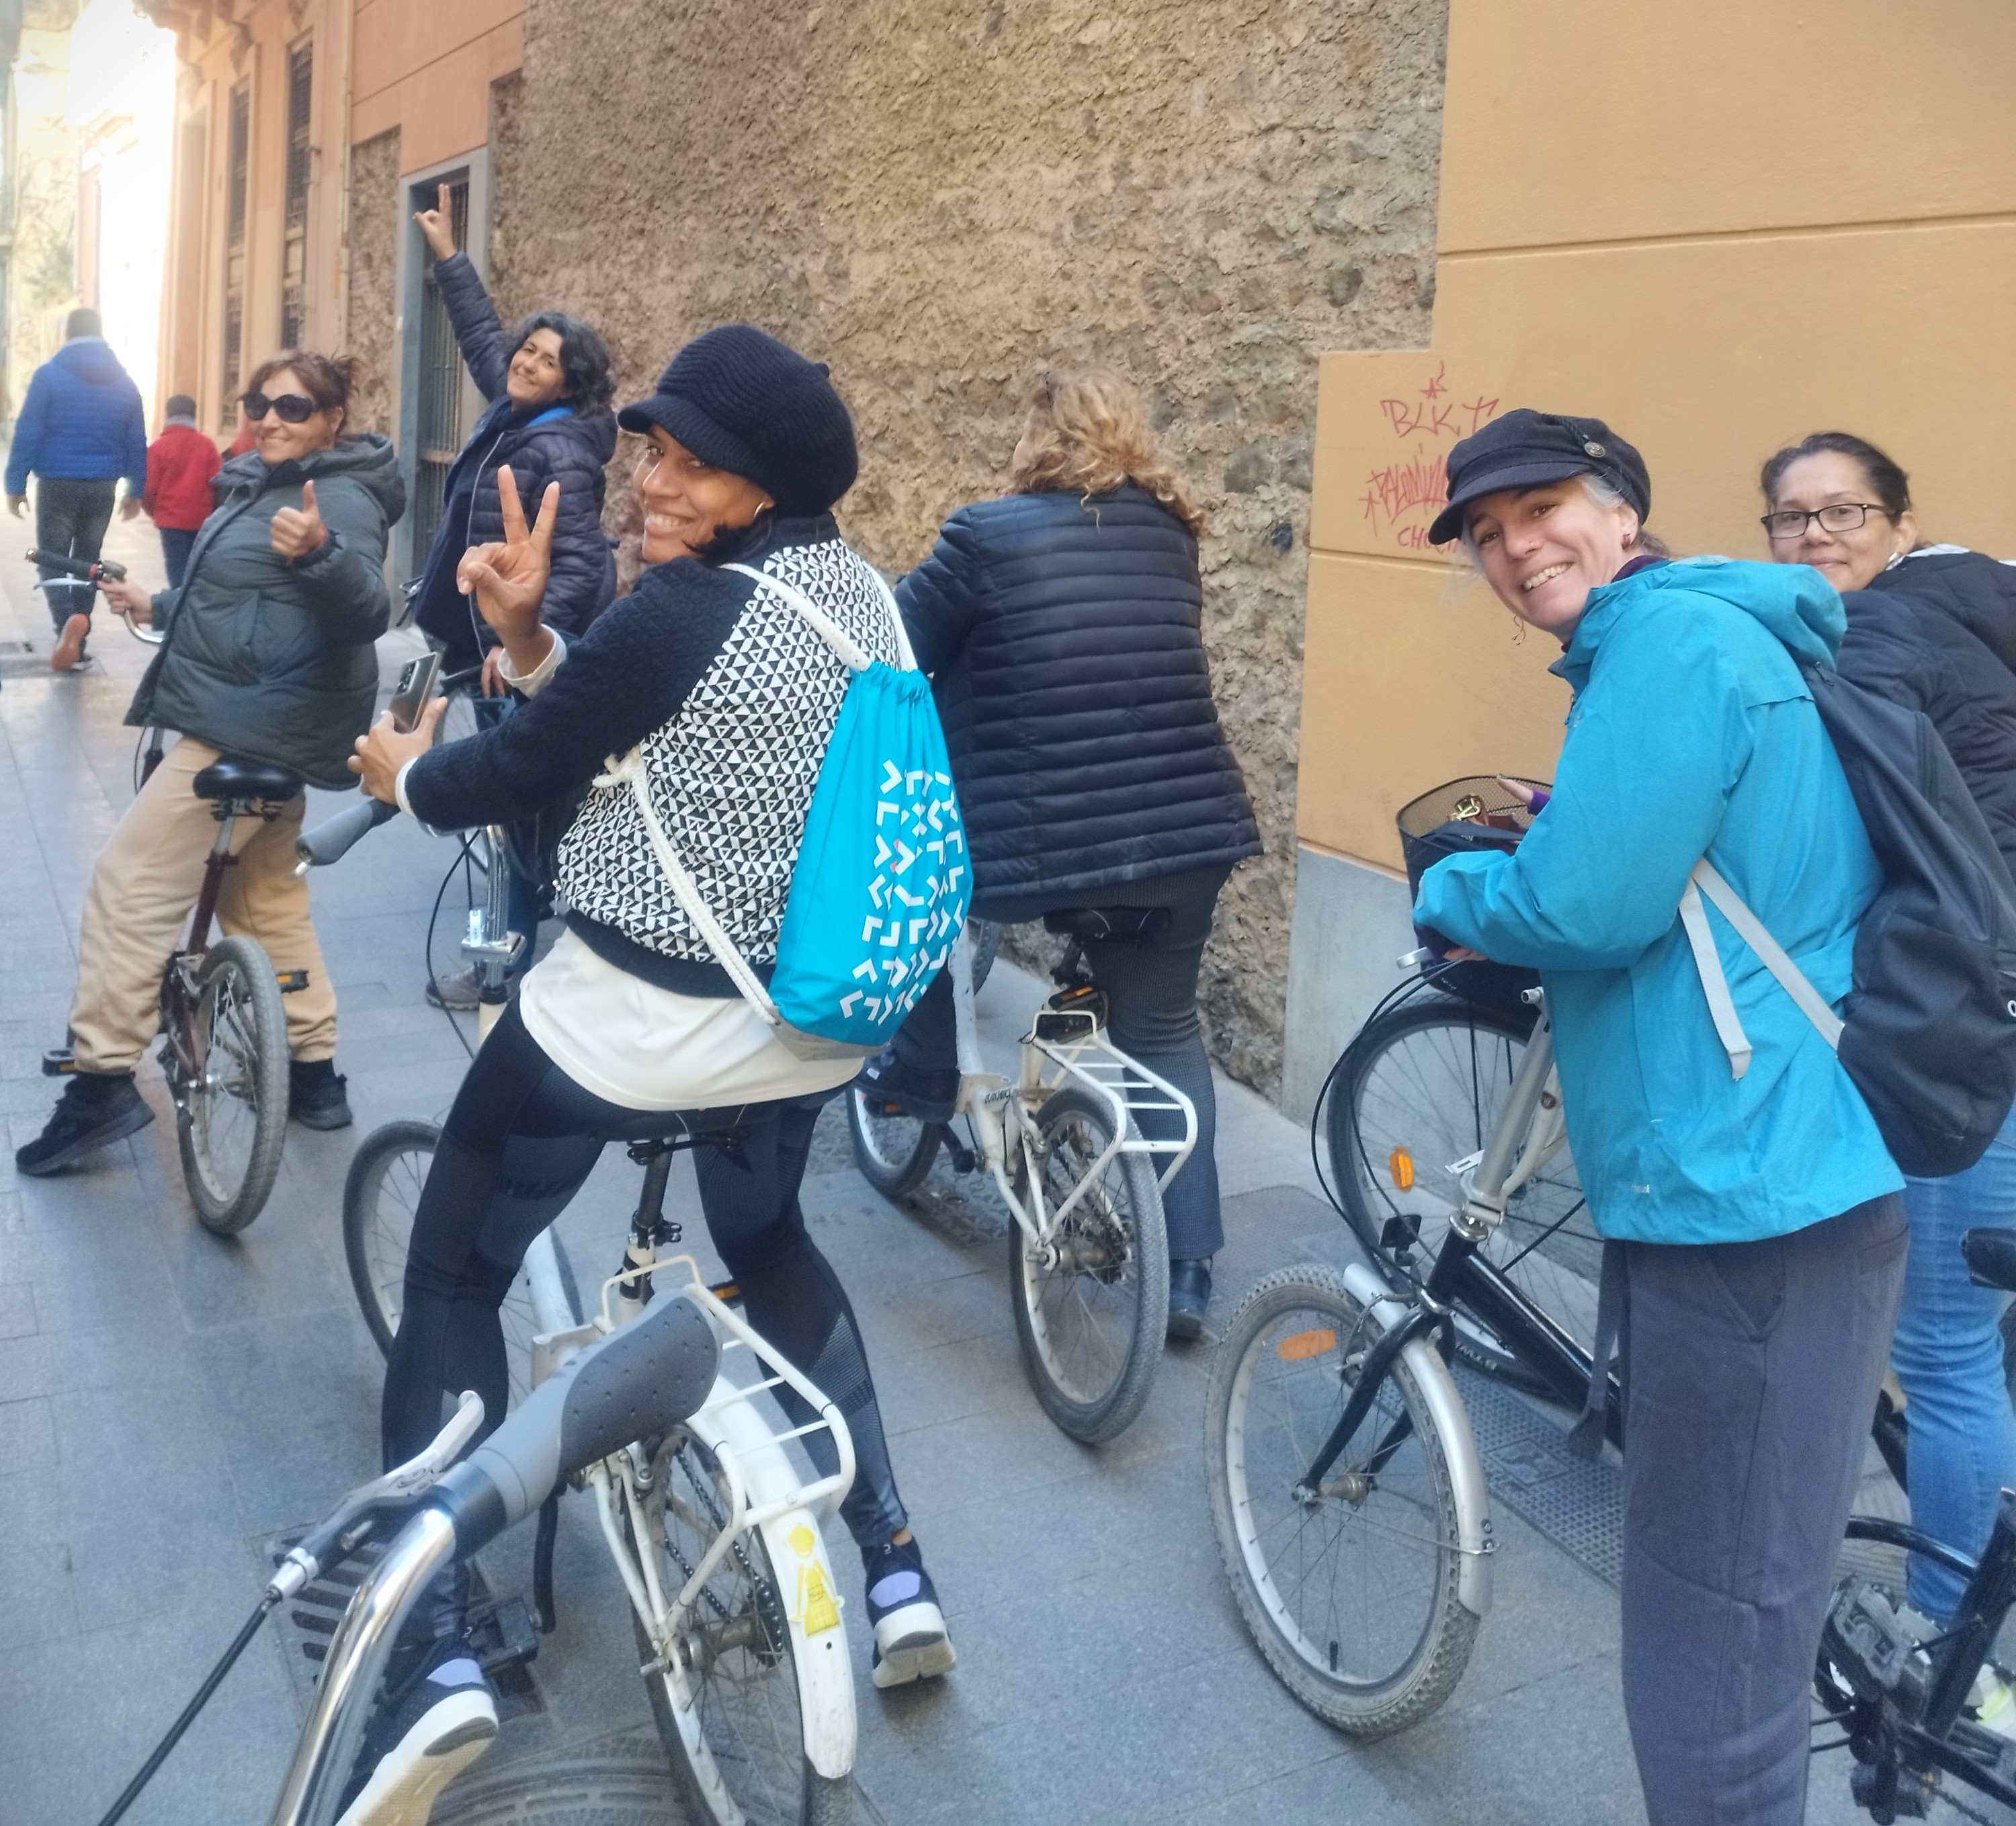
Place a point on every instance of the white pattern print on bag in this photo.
(924, 824)
(732, 774)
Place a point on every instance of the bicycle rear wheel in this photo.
(380, 1195)
(1091, 1323)
(1352, 1595)
(736, 1740)
(1421, 1088)
(230, 1116)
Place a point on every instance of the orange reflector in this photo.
(1400, 1164)
(1304, 1345)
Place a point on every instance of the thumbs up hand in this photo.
(299, 531)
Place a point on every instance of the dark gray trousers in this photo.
(71, 518)
(1751, 1371)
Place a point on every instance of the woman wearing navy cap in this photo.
(1755, 1241)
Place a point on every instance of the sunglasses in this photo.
(294, 409)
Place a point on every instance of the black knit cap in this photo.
(1526, 449)
(742, 401)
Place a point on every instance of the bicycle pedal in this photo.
(501, 1633)
(58, 1062)
(292, 980)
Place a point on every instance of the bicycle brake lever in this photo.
(416, 1477)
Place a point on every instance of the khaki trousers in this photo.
(143, 891)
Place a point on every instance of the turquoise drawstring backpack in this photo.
(882, 881)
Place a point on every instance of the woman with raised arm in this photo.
(1754, 1240)
(549, 381)
(268, 658)
(630, 1027)
(1062, 623)
(1932, 627)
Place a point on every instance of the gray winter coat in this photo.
(273, 660)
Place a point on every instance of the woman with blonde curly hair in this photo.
(1060, 623)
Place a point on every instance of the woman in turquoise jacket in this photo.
(1756, 1241)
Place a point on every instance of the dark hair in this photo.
(180, 406)
(83, 322)
(588, 376)
(328, 379)
(1889, 482)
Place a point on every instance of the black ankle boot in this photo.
(1189, 1296)
(315, 1096)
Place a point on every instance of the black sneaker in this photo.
(908, 1090)
(421, 1738)
(96, 1109)
(910, 1639)
(315, 1095)
(1190, 1297)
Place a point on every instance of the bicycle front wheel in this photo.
(232, 1114)
(1091, 1309)
(1420, 1091)
(732, 1716)
(1350, 1590)
(380, 1195)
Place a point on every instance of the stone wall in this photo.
(942, 197)
(370, 327)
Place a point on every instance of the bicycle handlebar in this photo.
(634, 1384)
(88, 570)
(332, 838)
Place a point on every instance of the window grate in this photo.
(237, 186)
(294, 239)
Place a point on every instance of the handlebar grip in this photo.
(88, 570)
(330, 839)
(633, 1384)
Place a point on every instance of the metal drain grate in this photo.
(1577, 1505)
(504, 1638)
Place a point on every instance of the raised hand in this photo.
(509, 579)
(438, 225)
(299, 531)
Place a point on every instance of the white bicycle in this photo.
(714, 1525)
(1088, 1256)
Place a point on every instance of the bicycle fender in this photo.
(819, 1641)
(1466, 1463)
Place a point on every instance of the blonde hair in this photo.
(1088, 433)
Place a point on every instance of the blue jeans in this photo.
(176, 544)
(1947, 1352)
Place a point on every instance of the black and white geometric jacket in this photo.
(733, 699)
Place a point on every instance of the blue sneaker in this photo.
(910, 1639)
(421, 1738)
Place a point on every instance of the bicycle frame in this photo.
(178, 980)
(999, 1114)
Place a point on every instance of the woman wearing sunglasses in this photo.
(1933, 627)
(268, 658)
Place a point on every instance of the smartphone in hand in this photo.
(415, 686)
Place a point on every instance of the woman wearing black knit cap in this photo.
(729, 700)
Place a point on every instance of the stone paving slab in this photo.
(168, 1398)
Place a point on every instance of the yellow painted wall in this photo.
(1719, 226)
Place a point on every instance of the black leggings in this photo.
(522, 1137)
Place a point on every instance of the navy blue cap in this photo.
(1525, 449)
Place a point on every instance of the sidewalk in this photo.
(169, 1401)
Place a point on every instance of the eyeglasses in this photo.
(1836, 516)
(294, 409)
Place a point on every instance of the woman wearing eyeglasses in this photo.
(1932, 627)
(268, 658)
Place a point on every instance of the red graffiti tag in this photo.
(1399, 489)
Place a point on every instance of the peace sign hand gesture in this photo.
(509, 580)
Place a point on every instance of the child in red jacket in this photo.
(180, 464)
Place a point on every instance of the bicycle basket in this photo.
(1463, 817)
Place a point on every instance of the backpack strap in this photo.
(1704, 879)
(844, 648)
(628, 770)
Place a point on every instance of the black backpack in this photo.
(1929, 1037)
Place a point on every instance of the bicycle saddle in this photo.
(229, 780)
(1123, 924)
(1991, 1257)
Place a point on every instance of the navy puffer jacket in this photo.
(559, 444)
(1062, 634)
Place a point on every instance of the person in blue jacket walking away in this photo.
(1755, 1239)
(81, 428)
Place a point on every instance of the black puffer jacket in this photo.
(1063, 638)
(559, 444)
(270, 660)
(1938, 633)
